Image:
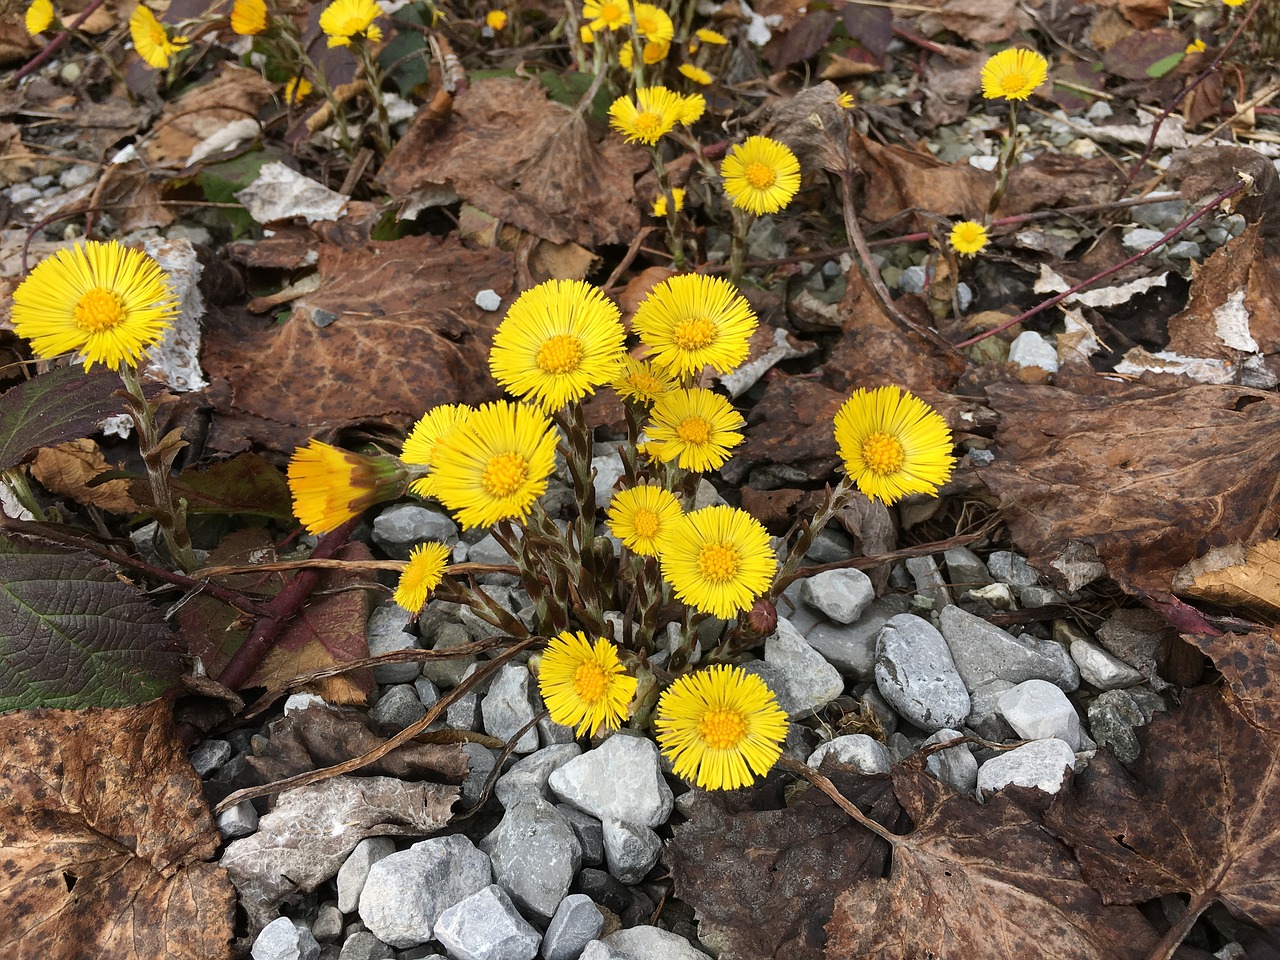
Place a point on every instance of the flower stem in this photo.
(16, 481)
(742, 221)
(675, 238)
(834, 500)
(1007, 159)
(373, 76)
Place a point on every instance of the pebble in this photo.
(328, 922)
(929, 581)
(1113, 715)
(1042, 764)
(1037, 596)
(606, 471)
(842, 595)
(388, 631)
(1100, 669)
(508, 706)
(653, 943)
(535, 855)
(1008, 567)
(1029, 349)
(1139, 238)
(851, 648)
(983, 652)
(487, 926)
(802, 616)
(22, 192)
(1135, 635)
(912, 280)
(355, 869)
(956, 767)
(828, 547)
(1183, 250)
(965, 568)
(480, 763)
(281, 939)
(985, 719)
(621, 778)
(528, 777)
(298, 702)
(1036, 710)
(402, 526)
(448, 672)
(630, 850)
(802, 680)
(363, 945)
(998, 595)
(464, 712)
(576, 923)
(1162, 216)
(238, 821)
(599, 950)
(208, 756)
(915, 673)
(406, 892)
(488, 300)
(589, 831)
(398, 706)
(603, 888)
(855, 749)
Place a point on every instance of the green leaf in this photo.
(221, 181)
(569, 87)
(64, 404)
(73, 634)
(1164, 65)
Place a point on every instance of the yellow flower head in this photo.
(495, 465)
(760, 175)
(696, 74)
(330, 486)
(651, 53)
(495, 19)
(711, 36)
(653, 113)
(721, 727)
(660, 203)
(101, 300)
(606, 14)
(1013, 74)
(419, 446)
(653, 24)
(1195, 46)
(586, 34)
(249, 17)
(640, 516)
(1233, 3)
(718, 560)
(558, 342)
(639, 381)
(968, 237)
(344, 19)
(584, 686)
(39, 16)
(847, 100)
(692, 107)
(693, 320)
(697, 428)
(893, 444)
(421, 575)
(153, 43)
(297, 90)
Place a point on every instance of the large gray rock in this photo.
(528, 777)
(387, 632)
(1042, 764)
(653, 943)
(851, 648)
(487, 926)
(1100, 669)
(621, 778)
(983, 652)
(401, 527)
(956, 767)
(535, 855)
(856, 750)
(1036, 710)
(802, 680)
(842, 595)
(630, 850)
(915, 673)
(405, 893)
(282, 940)
(1113, 715)
(508, 706)
(577, 922)
(355, 869)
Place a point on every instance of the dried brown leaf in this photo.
(791, 424)
(67, 469)
(1251, 582)
(1250, 663)
(235, 94)
(104, 838)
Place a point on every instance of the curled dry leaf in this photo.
(69, 469)
(104, 838)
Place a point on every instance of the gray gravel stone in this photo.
(805, 681)
(535, 855)
(1136, 636)
(238, 821)
(998, 595)
(577, 922)
(487, 926)
(630, 850)
(1100, 669)
(915, 673)
(589, 831)
(528, 777)
(447, 672)
(621, 778)
(857, 750)
(1032, 598)
(829, 546)
(406, 892)
(929, 582)
(403, 526)
(1113, 715)
(1008, 567)
(983, 652)
(1029, 349)
(281, 939)
(208, 756)
(464, 712)
(1036, 710)
(956, 767)
(398, 706)
(355, 869)
(599, 950)
(1042, 764)
(802, 616)
(388, 631)
(363, 945)
(508, 706)
(851, 648)
(480, 763)
(965, 569)
(842, 595)
(653, 943)
(606, 471)
(327, 925)
(985, 719)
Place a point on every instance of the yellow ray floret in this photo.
(760, 175)
(585, 685)
(718, 560)
(692, 321)
(893, 444)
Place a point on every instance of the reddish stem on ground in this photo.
(56, 43)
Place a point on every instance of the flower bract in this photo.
(660, 203)
(606, 14)
(39, 16)
(495, 465)
(297, 90)
(1013, 74)
(584, 685)
(646, 119)
(893, 444)
(968, 237)
(151, 40)
(557, 343)
(721, 727)
(639, 516)
(696, 428)
(330, 485)
(696, 74)
(692, 321)
(249, 17)
(420, 444)
(344, 20)
(760, 175)
(718, 560)
(421, 575)
(641, 382)
(104, 301)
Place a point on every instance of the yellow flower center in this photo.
(646, 383)
(646, 524)
(1013, 83)
(694, 430)
(759, 175)
(560, 354)
(694, 333)
(648, 124)
(722, 729)
(351, 26)
(611, 13)
(882, 454)
(718, 562)
(504, 474)
(590, 681)
(98, 310)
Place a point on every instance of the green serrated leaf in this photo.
(61, 405)
(1164, 65)
(73, 634)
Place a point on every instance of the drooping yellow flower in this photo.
(343, 20)
(692, 107)
(696, 74)
(718, 560)
(711, 36)
(1195, 46)
(495, 19)
(968, 237)
(693, 320)
(330, 485)
(653, 24)
(249, 17)
(419, 446)
(760, 175)
(720, 727)
(640, 516)
(846, 100)
(421, 575)
(893, 444)
(649, 117)
(583, 685)
(39, 16)
(660, 202)
(557, 343)
(606, 14)
(297, 90)
(650, 54)
(1013, 74)
(151, 40)
(103, 301)
(696, 428)
(495, 465)
(639, 381)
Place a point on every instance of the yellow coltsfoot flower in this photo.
(760, 175)
(584, 686)
(421, 575)
(718, 560)
(330, 485)
(696, 428)
(1013, 74)
(344, 20)
(249, 17)
(419, 446)
(39, 16)
(692, 321)
(151, 40)
(640, 516)
(893, 444)
(649, 117)
(968, 237)
(606, 14)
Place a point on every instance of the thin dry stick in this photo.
(793, 765)
(453, 570)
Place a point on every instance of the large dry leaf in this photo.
(1198, 815)
(1150, 478)
(1250, 663)
(104, 838)
(237, 93)
(982, 882)
(69, 469)
(1234, 577)
(791, 424)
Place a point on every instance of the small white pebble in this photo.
(488, 300)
